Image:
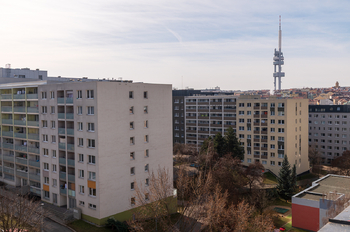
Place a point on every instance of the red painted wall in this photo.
(305, 217)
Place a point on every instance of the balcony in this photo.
(71, 178)
(69, 116)
(6, 108)
(63, 175)
(21, 148)
(70, 131)
(60, 100)
(7, 133)
(7, 145)
(35, 177)
(9, 158)
(70, 147)
(33, 123)
(19, 109)
(62, 161)
(35, 190)
(34, 150)
(71, 193)
(61, 131)
(69, 100)
(34, 163)
(32, 96)
(32, 110)
(21, 135)
(19, 122)
(33, 136)
(22, 174)
(63, 191)
(19, 96)
(7, 121)
(61, 116)
(62, 146)
(6, 96)
(8, 170)
(21, 161)
(71, 162)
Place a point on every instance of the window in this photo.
(241, 105)
(146, 168)
(92, 159)
(241, 128)
(131, 94)
(240, 112)
(264, 162)
(52, 109)
(147, 182)
(146, 138)
(90, 94)
(81, 203)
(132, 201)
(272, 138)
(145, 110)
(45, 138)
(81, 157)
(79, 110)
(272, 129)
(279, 163)
(79, 94)
(132, 140)
(80, 126)
(131, 125)
(280, 130)
(272, 146)
(43, 95)
(272, 113)
(81, 173)
(52, 94)
(81, 189)
(54, 182)
(91, 143)
(272, 154)
(91, 127)
(281, 156)
(53, 153)
(46, 166)
(280, 138)
(47, 194)
(280, 121)
(241, 120)
(272, 121)
(280, 104)
(131, 110)
(272, 163)
(249, 104)
(54, 168)
(44, 123)
(92, 175)
(53, 138)
(145, 124)
(132, 155)
(145, 94)
(249, 160)
(80, 142)
(132, 185)
(249, 112)
(91, 110)
(132, 171)
(146, 153)
(92, 206)
(53, 124)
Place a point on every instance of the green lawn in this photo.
(307, 176)
(280, 221)
(269, 178)
(281, 202)
(81, 226)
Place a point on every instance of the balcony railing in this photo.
(71, 178)
(22, 174)
(32, 96)
(62, 161)
(61, 116)
(63, 175)
(69, 100)
(63, 191)
(34, 177)
(61, 131)
(71, 193)
(6, 96)
(69, 116)
(8, 170)
(9, 158)
(34, 163)
(7, 133)
(71, 162)
(19, 122)
(19, 109)
(7, 145)
(6, 108)
(32, 110)
(21, 135)
(70, 131)
(62, 146)
(19, 96)
(21, 148)
(7, 121)
(70, 147)
(21, 161)
(33, 123)
(34, 150)
(33, 136)
(35, 191)
(60, 100)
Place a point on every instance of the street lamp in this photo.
(42, 216)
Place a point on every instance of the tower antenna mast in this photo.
(278, 59)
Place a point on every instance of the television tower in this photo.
(278, 60)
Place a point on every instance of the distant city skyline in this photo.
(196, 44)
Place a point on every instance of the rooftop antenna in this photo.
(278, 59)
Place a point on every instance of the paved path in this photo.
(52, 226)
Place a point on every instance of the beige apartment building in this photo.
(86, 144)
(268, 129)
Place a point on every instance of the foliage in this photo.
(269, 178)
(219, 144)
(342, 163)
(117, 225)
(294, 178)
(285, 186)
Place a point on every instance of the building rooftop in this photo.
(338, 224)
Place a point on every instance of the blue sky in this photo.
(197, 44)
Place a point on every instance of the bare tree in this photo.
(19, 213)
(336, 203)
(342, 163)
(254, 173)
(314, 158)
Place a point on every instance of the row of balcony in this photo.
(20, 135)
(62, 131)
(20, 109)
(70, 192)
(71, 162)
(62, 146)
(31, 96)
(65, 116)
(20, 122)
(60, 100)
(21, 148)
(63, 176)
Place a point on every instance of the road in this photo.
(52, 226)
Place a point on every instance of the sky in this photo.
(196, 44)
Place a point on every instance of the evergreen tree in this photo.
(232, 145)
(205, 145)
(285, 186)
(294, 177)
(219, 144)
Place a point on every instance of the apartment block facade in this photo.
(329, 130)
(268, 128)
(86, 144)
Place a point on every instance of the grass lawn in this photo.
(280, 221)
(307, 176)
(269, 178)
(81, 226)
(281, 202)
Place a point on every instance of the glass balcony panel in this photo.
(19, 109)
(61, 131)
(71, 193)
(7, 133)
(71, 178)
(6, 96)
(32, 110)
(63, 191)
(21, 135)
(35, 191)
(21, 161)
(34, 177)
(9, 170)
(33, 136)
(60, 100)
(8, 158)
(63, 161)
(6, 108)
(71, 162)
(32, 96)
(19, 96)
(7, 121)
(22, 174)
(34, 163)
(21, 148)
(34, 150)
(19, 122)
(63, 175)
(33, 123)
(69, 116)
(62, 146)
(61, 116)
(70, 131)
(70, 147)
(7, 145)
(69, 100)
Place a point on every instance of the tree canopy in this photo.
(285, 187)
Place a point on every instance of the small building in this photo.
(310, 206)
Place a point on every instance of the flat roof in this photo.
(340, 223)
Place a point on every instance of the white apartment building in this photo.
(85, 144)
(267, 128)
